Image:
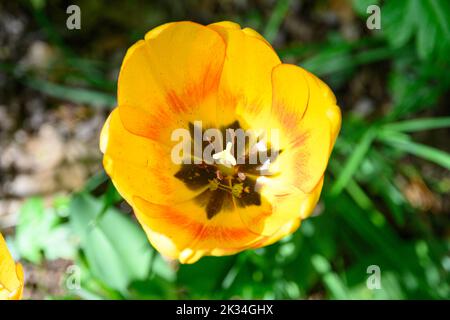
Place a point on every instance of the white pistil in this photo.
(225, 157)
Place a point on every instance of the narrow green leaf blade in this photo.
(353, 162)
(437, 156)
(419, 124)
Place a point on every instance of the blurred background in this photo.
(385, 209)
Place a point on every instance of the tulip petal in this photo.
(307, 132)
(11, 274)
(292, 205)
(289, 102)
(139, 166)
(305, 204)
(169, 79)
(182, 231)
(245, 89)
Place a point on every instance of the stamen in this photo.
(237, 190)
(227, 184)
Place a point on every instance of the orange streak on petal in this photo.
(223, 233)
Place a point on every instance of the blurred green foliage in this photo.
(365, 218)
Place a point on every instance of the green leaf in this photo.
(410, 87)
(275, 20)
(40, 234)
(329, 61)
(192, 276)
(353, 163)
(155, 288)
(161, 268)
(339, 58)
(95, 181)
(398, 21)
(77, 95)
(419, 124)
(59, 243)
(426, 37)
(425, 20)
(116, 248)
(440, 10)
(360, 6)
(332, 281)
(437, 156)
(31, 226)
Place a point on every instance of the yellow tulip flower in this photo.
(224, 77)
(11, 275)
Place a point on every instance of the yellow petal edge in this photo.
(11, 274)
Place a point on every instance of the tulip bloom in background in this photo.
(11, 275)
(225, 77)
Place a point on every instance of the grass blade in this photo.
(275, 20)
(76, 95)
(353, 162)
(419, 124)
(428, 153)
